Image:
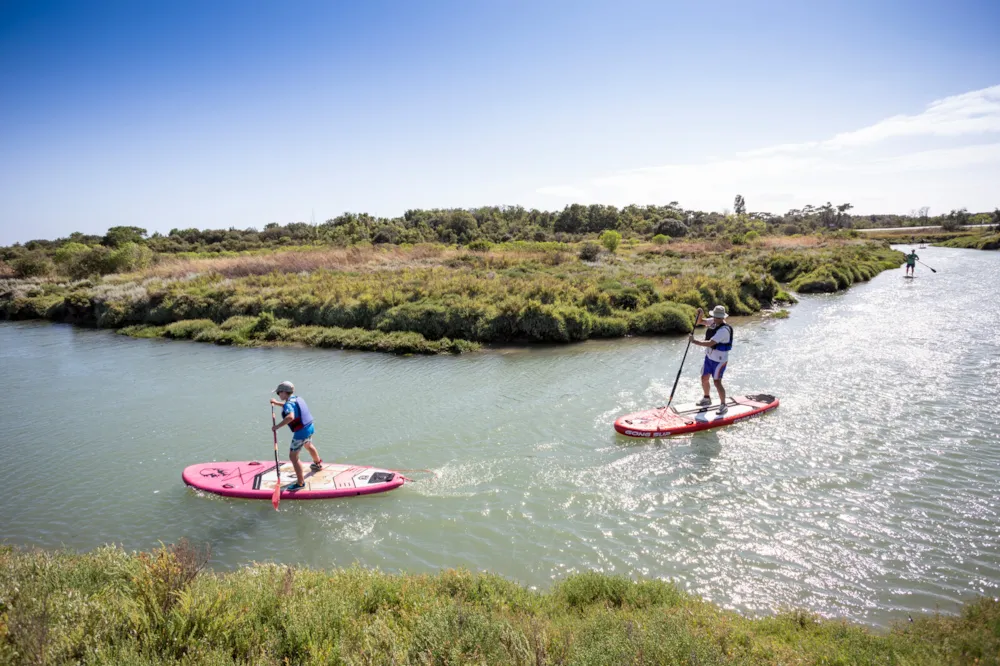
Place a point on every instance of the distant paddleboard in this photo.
(683, 419)
(909, 277)
(253, 479)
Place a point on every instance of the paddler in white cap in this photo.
(719, 340)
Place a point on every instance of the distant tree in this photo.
(955, 220)
(826, 215)
(924, 210)
(117, 236)
(739, 205)
(671, 227)
(996, 220)
(843, 219)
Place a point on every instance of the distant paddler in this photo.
(719, 340)
(911, 261)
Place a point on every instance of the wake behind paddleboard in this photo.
(253, 479)
(683, 419)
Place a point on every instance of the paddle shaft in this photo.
(683, 358)
(932, 270)
(276, 498)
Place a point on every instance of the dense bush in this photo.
(589, 251)
(32, 264)
(663, 318)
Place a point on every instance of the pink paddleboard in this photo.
(255, 479)
(682, 419)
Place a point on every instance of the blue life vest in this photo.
(302, 415)
(720, 346)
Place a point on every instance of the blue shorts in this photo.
(300, 438)
(714, 368)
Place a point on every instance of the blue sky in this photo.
(218, 114)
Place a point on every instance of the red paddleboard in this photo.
(683, 419)
(253, 479)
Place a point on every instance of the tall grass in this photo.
(113, 607)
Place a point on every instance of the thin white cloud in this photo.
(944, 157)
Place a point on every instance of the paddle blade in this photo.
(276, 497)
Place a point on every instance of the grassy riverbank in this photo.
(980, 241)
(434, 298)
(113, 607)
(985, 238)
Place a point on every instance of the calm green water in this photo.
(871, 492)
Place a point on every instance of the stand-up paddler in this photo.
(296, 416)
(719, 340)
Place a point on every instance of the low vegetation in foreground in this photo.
(431, 298)
(113, 607)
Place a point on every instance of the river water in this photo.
(870, 493)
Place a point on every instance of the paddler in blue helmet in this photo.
(296, 416)
(719, 340)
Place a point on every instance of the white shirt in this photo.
(722, 336)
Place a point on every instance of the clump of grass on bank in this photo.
(164, 607)
(973, 242)
(435, 299)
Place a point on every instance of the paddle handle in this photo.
(697, 320)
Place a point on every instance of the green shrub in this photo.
(187, 328)
(67, 253)
(610, 327)
(32, 264)
(480, 246)
(818, 281)
(87, 264)
(142, 331)
(661, 239)
(127, 258)
(660, 318)
(610, 239)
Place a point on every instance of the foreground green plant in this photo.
(114, 607)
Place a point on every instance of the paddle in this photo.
(276, 497)
(697, 320)
(932, 270)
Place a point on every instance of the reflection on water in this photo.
(869, 493)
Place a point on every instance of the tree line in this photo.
(131, 247)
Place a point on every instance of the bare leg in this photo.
(721, 389)
(704, 385)
(294, 457)
(312, 451)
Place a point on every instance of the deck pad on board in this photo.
(687, 418)
(254, 479)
